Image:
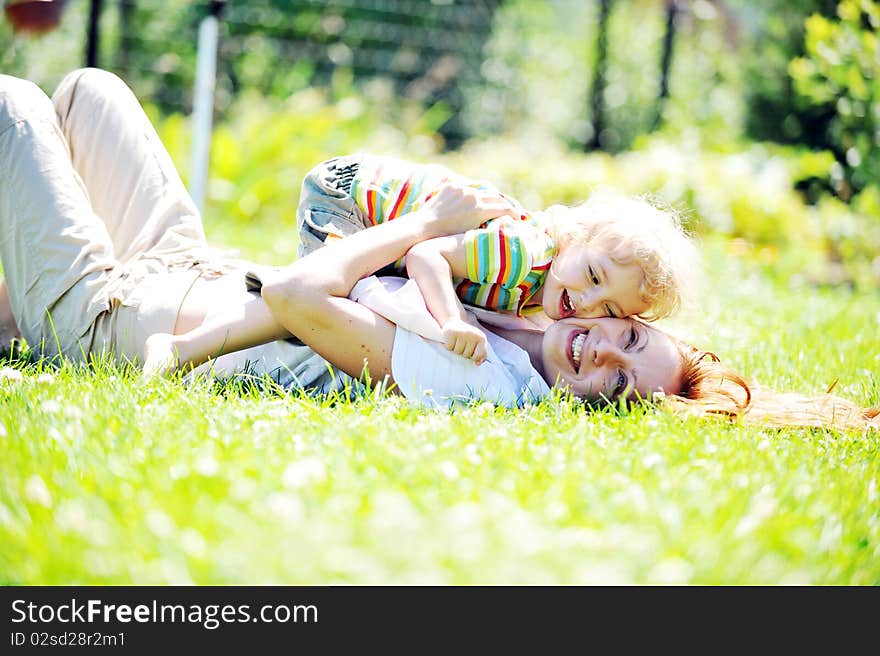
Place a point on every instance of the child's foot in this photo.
(160, 355)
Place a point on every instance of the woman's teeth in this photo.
(576, 346)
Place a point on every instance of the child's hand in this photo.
(457, 208)
(465, 339)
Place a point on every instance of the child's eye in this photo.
(593, 276)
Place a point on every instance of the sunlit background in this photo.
(759, 120)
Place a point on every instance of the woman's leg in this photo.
(131, 180)
(56, 253)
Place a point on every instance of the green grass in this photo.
(106, 480)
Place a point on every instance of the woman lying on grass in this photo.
(103, 247)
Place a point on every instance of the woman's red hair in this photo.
(710, 388)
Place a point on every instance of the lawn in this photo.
(106, 480)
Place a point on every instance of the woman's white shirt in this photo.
(429, 374)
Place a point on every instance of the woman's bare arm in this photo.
(309, 298)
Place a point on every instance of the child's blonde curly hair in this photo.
(635, 229)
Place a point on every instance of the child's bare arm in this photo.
(432, 264)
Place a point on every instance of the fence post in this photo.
(597, 93)
(666, 62)
(203, 102)
(94, 33)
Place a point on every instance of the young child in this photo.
(610, 256)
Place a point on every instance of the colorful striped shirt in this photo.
(507, 258)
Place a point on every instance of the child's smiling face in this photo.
(584, 281)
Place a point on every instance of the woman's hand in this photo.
(455, 209)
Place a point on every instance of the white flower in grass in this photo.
(72, 516)
(178, 471)
(10, 375)
(193, 543)
(243, 489)
(45, 379)
(303, 472)
(159, 523)
(671, 571)
(285, 506)
(36, 491)
(206, 465)
(449, 470)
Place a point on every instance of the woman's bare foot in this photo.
(160, 355)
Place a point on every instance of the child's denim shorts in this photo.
(325, 206)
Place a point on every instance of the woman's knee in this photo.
(90, 78)
(87, 85)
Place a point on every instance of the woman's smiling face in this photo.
(610, 358)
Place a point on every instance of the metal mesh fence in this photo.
(429, 50)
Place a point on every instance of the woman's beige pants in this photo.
(91, 212)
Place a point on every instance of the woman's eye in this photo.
(610, 312)
(621, 384)
(632, 337)
(593, 276)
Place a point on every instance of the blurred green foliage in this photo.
(747, 194)
(265, 146)
(540, 58)
(841, 68)
(300, 82)
(260, 155)
(775, 111)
